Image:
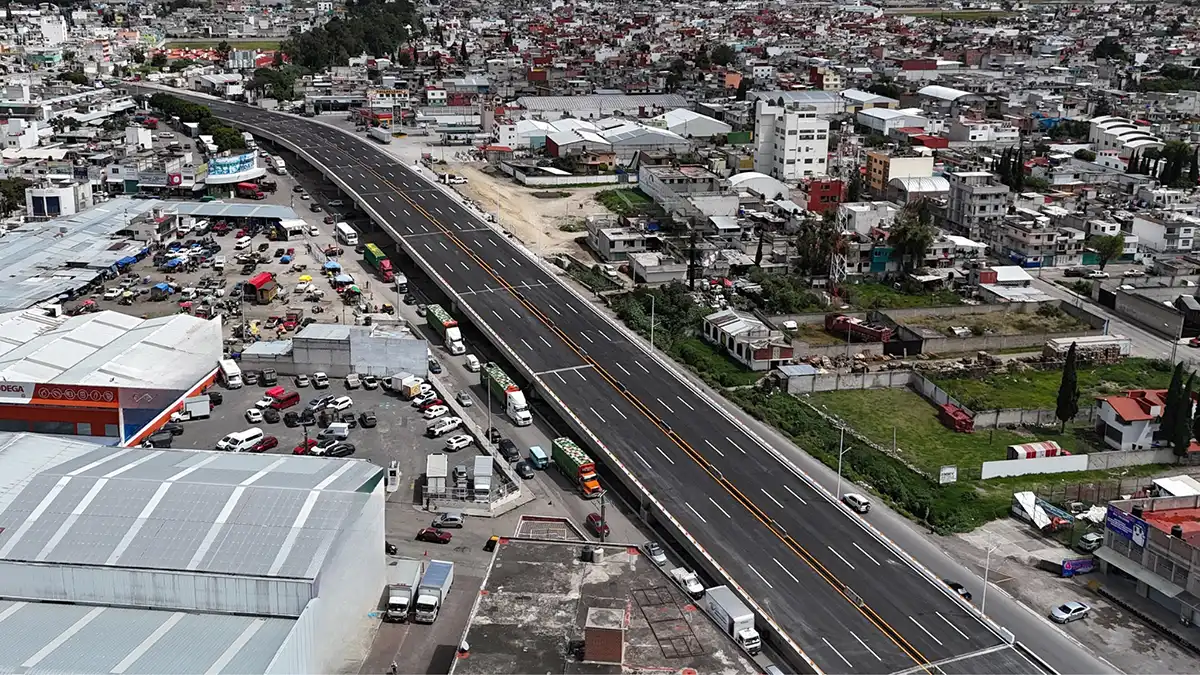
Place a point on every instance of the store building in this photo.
(100, 376)
(1150, 546)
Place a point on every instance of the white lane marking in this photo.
(860, 550)
(605, 336)
(527, 345)
(469, 290)
(666, 406)
(689, 405)
(439, 210)
(555, 309)
(795, 495)
(560, 378)
(835, 651)
(713, 446)
(515, 262)
(639, 456)
(614, 407)
(786, 570)
(585, 336)
(572, 309)
(735, 444)
(544, 341)
(580, 374)
(377, 199)
(639, 365)
(464, 265)
(714, 503)
(597, 415)
(839, 555)
(514, 312)
(492, 241)
(449, 268)
(695, 512)
(408, 229)
(501, 263)
(866, 647)
(660, 451)
(444, 245)
(768, 494)
(406, 212)
(428, 249)
(926, 630)
(764, 579)
(956, 630)
(475, 242)
(393, 214)
(623, 370)
(498, 318)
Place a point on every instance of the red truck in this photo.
(856, 330)
(374, 257)
(250, 191)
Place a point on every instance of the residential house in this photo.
(1130, 420)
(747, 339)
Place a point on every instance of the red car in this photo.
(328, 220)
(242, 233)
(596, 526)
(303, 448)
(429, 404)
(265, 444)
(434, 536)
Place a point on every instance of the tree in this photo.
(1103, 107)
(1166, 423)
(228, 138)
(1194, 169)
(159, 61)
(138, 56)
(73, 76)
(1108, 246)
(910, 236)
(1196, 423)
(12, 195)
(1068, 392)
(224, 49)
(1109, 48)
(887, 89)
(1181, 428)
(855, 188)
(743, 88)
(722, 55)
(1085, 154)
(1132, 165)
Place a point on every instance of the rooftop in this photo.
(603, 102)
(540, 597)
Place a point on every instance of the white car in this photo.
(423, 398)
(320, 380)
(1097, 274)
(112, 294)
(1068, 612)
(425, 388)
(304, 196)
(458, 442)
(264, 403)
(254, 416)
(434, 412)
(856, 502)
(314, 231)
(655, 553)
(340, 403)
(1133, 273)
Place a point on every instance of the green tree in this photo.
(910, 236)
(73, 76)
(1085, 154)
(743, 88)
(224, 49)
(1068, 392)
(1132, 165)
(1166, 423)
(855, 189)
(1109, 48)
(138, 56)
(1181, 429)
(722, 55)
(1194, 169)
(1108, 247)
(887, 89)
(159, 61)
(228, 139)
(12, 195)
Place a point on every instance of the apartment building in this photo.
(984, 134)
(977, 204)
(1030, 239)
(791, 141)
(1153, 543)
(883, 166)
(1166, 231)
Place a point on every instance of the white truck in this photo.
(435, 475)
(230, 375)
(483, 479)
(249, 139)
(688, 581)
(380, 134)
(733, 617)
(278, 164)
(445, 326)
(194, 408)
(502, 387)
(403, 578)
(432, 591)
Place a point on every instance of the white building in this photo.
(1166, 232)
(688, 124)
(59, 197)
(1122, 134)
(18, 134)
(791, 141)
(862, 217)
(747, 339)
(883, 120)
(1129, 421)
(984, 133)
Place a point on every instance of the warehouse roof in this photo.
(77, 503)
(108, 349)
(942, 93)
(227, 210)
(607, 102)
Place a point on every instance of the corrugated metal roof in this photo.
(133, 641)
(263, 515)
(231, 210)
(601, 102)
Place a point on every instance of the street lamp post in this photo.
(1178, 337)
(651, 322)
(842, 450)
(986, 568)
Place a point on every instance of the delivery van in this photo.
(241, 441)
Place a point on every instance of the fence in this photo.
(1018, 417)
(1095, 492)
(1119, 458)
(887, 379)
(1035, 465)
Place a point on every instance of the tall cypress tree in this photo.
(1018, 179)
(1181, 434)
(1167, 422)
(1132, 165)
(1194, 170)
(1068, 392)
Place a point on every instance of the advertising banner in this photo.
(16, 392)
(228, 166)
(153, 178)
(1125, 525)
(75, 395)
(1073, 566)
(174, 179)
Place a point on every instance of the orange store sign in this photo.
(68, 395)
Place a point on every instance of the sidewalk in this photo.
(1123, 592)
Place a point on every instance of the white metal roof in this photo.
(943, 93)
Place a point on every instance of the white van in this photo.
(472, 363)
(242, 244)
(338, 430)
(240, 441)
(219, 263)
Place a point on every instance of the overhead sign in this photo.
(228, 166)
(1127, 526)
(16, 392)
(948, 474)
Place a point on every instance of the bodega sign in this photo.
(16, 392)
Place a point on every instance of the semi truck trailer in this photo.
(380, 134)
(504, 389)
(374, 257)
(446, 327)
(575, 464)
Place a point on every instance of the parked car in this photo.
(319, 403)
(340, 403)
(1097, 274)
(339, 449)
(508, 450)
(421, 399)
(435, 411)
(430, 403)
(422, 310)
(270, 416)
(655, 553)
(254, 416)
(302, 380)
(337, 203)
(435, 367)
(596, 525)
(1069, 611)
(524, 469)
(464, 399)
(856, 502)
(409, 299)
(1090, 542)
(173, 428)
(958, 588)
(1076, 272)
(291, 419)
(434, 536)
(250, 377)
(304, 447)
(1133, 273)
(367, 419)
(370, 382)
(320, 380)
(267, 443)
(458, 442)
(448, 520)
(353, 381)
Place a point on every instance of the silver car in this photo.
(655, 553)
(1069, 611)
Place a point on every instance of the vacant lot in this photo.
(1044, 320)
(628, 202)
(815, 334)
(921, 438)
(1039, 389)
(883, 296)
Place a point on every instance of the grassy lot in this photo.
(1044, 320)
(883, 296)
(212, 44)
(1039, 389)
(628, 202)
(815, 334)
(712, 364)
(922, 439)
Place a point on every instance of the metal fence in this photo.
(1095, 492)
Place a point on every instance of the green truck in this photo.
(373, 256)
(575, 464)
(504, 389)
(445, 326)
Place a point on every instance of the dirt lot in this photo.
(1045, 320)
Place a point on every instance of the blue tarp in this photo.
(332, 266)
(127, 260)
(344, 279)
(164, 286)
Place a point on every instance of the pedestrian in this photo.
(394, 669)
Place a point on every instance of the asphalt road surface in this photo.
(848, 600)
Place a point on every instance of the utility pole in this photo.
(603, 520)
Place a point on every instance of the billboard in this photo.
(1125, 525)
(228, 166)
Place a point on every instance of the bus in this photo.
(345, 234)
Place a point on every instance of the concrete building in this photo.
(746, 339)
(550, 108)
(977, 203)
(862, 217)
(908, 190)
(1110, 132)
(18, 134)
(1029, 239)
(1166, 231)
(791, 141)
(58, 196)
(688, 124)
(883, 166)
(984, 134)
(381, 349)
(1130, 420)
(857, 100)
(617, 244)
(176, 561)
(882, 121)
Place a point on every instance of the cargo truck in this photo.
(435, 475)
(574, 463)
(483, 479)
(250, 191)
(733, 617)
(688, 581)
(278, 164)
(432, 591)
(405, 385)
(380, 134)
(401, 283)
(194, 408)
(373, 256)
(446, 327)
(231, 375)
(403, 578)
(502, 387)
